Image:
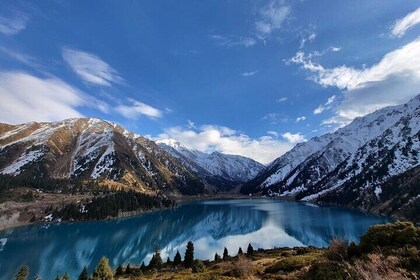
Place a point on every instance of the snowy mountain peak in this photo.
(233, 168)
(172, 143)
(383, 144)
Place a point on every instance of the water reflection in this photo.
(211, 225)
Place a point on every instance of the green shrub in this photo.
(197, 266)
(337, 251)
(329, 270)
(390, 235)
(291, 263)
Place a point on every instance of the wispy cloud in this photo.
(307, 35)
(91, 68)
(294, 137)
(281, 99)
(13, 25)
(401, 26)
(370, 88)
(231, 41)
(275, 118)
(248, 74)
(209, 138)
(29, 98)
(325, 106)
(300, 119)
(271, 17)
(136, 109)
(20, 57)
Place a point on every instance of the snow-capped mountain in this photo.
(223, 169)
(352, 162)
(89, 148)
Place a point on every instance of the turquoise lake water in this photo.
(211, 225)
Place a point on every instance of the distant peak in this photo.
(171, 143)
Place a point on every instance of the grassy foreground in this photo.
(390, 251)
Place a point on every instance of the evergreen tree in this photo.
(120, 270)
(177, 258)
(65, 277)
(168, 261)
(23, 273)
(156, 261)
(240, 251)
(189, 255)
(84, 275)
(128, 269)
(225, 254)
(58, 277)
(103, 271)
(217, 257)
(143, 267)
(250, 250)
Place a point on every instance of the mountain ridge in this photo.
(355, 159)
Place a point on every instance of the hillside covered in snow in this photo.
(353, 165)
(222, 169)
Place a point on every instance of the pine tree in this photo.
(250, 250)
(156, 261)
(217, 257)
(143, 267)
(120, 270)
(177, 258)
(23, 273)
(103, 271)
(168, 261)
(225, 254)
(189, 255)
(240, 251)
(65, 277)
(84, 275)
(128, 269)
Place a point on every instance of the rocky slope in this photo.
(92, 149)
(351, 165)
(223, 170)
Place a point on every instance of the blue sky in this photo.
(242, 77)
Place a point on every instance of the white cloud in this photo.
(300, 119)
(271, 18)
(231, 41)
(190, 124)
(91, 68)
(293, 137)
(325, 106)
(137, 109)
(393, 80)
(335, 49)
(12, 26)
(209, 138)
(281, 99)
(248, 74)
(307, 35)
(275, 118)
(21, 57)
(27, 98)
(403, 24)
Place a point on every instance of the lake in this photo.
(211, 225)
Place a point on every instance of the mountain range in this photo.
(94, 149)
(372, 163)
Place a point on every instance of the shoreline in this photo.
(179, 201)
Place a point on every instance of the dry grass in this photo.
(378, 267)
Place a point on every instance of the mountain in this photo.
(223, 170)
(92, 149)
(353, 165)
